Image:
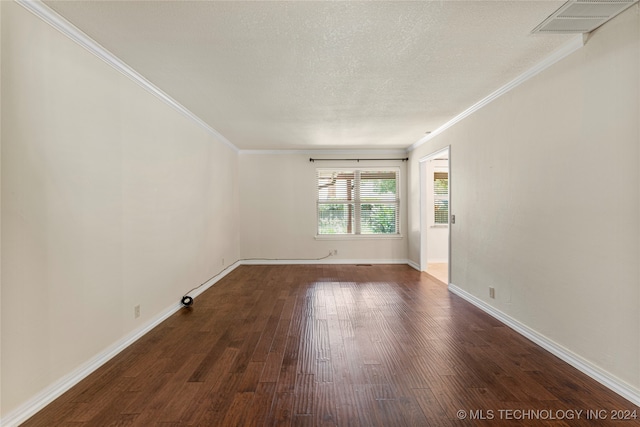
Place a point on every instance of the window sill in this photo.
(440, 226)
(358, 236)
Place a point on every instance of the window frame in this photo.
(440, 197)
(357, 203)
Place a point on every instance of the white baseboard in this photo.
(55, 390)
(413, 264)
(615, 384)
(417, 265)
(330, 260)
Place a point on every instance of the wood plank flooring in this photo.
(327, 345)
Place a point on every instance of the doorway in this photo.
(435, 217)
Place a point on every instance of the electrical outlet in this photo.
(492, 292)
(223, 261)
(334, 252)
(136, 311)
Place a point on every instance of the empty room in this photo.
(315, 213)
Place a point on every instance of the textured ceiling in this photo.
(322, 75)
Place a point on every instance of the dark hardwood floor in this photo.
(322, 345)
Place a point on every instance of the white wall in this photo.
(110, 199)
(278, 211)
(546, 193)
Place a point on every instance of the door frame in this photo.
(424, 227)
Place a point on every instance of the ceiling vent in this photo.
(582, 16)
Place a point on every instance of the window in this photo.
(358, 202)
(441, 198)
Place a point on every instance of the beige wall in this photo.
(278, 211)
(110, 199)
(1, 96)
(546, 192)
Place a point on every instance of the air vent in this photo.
(582, 16)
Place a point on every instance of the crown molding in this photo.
(564, 51)
(48, 15)
(38, 8)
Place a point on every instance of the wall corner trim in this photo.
(616, 385)
(564, 51)
(48, 15)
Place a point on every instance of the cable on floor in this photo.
(187, 300)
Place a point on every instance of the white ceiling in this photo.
(322, 74)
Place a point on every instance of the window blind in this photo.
(358, 201)
(441, 197)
